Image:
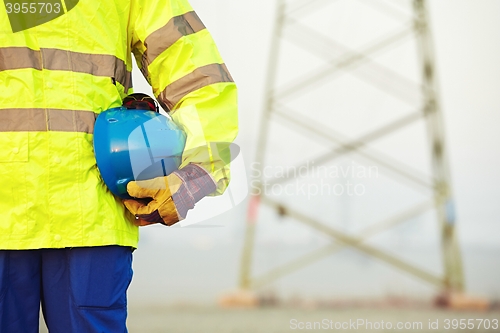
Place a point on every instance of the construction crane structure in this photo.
(409, 24)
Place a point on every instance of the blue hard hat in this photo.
(135, 145)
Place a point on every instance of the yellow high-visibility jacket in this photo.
(55, 78)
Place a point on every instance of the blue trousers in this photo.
(79, 289)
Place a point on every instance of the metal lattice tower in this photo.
(338, 58)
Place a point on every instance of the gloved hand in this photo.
(172, 196)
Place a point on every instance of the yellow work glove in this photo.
(169, 197)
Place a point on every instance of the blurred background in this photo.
(370, 130)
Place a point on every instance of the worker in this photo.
(66, 241)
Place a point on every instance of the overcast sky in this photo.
(467, 41)
(467, 44)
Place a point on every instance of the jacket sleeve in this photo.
(179, 59)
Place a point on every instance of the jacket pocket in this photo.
(15, 147)
(14, 156)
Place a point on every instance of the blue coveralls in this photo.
(79, 289)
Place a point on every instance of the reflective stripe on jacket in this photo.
(56, 78)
